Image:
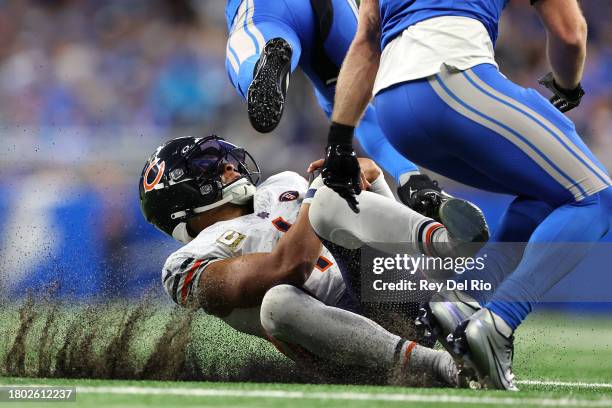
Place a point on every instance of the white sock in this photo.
(436, 362)
(380, 186)
(406, 176)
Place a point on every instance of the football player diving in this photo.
(269, 39)
(443, 103)
(252, 257)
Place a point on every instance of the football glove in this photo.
(563, 99)
(341, 171)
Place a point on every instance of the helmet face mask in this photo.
(184, 177)
(209, 156)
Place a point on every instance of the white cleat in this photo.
(441, 316)
(486, 345)
(444, 312)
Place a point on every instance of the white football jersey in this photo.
(276, 205)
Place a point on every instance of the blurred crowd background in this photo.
(89, 88)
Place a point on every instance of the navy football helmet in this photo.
(183, 178)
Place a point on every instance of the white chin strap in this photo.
(239, 193)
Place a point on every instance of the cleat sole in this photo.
(466, 223)
(266, 98)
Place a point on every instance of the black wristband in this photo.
(340, 134)
(571, 94)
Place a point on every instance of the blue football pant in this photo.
(481, 129)
(259, 21)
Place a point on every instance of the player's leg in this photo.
(515, 137)
(384, 223)
(544, 265)
(582, 210)
(515, 228)
(300, 325)
(449, 308)
(263, 48)
(487, 336)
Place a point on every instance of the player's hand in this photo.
(341, 173)
(364, 183)
(563, 99)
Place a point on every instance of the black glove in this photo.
(563, 99)
(341, 171)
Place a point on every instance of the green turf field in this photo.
(560, 361)
(94, 393)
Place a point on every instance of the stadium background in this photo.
(90, 88)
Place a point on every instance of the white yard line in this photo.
(361, 396)
(565, 384)
(347, 396)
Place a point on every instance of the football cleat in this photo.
(464, 221)
(485, 345)
(423, 195)
(439, 318)
(266, 94)
(444, 312)
(466, 225)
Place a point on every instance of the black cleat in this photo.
(266, 95)
(423, 195)
(464, 221)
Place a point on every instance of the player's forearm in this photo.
(358, 72)
(566, 32)
(567, 61)
(355, 83)
(298, 250)
(242, 282)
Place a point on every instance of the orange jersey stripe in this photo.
(188, 279)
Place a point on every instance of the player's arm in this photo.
(358, 72)
(241, 282)
(353, 93)
(566, 32)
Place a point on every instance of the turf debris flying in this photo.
(147, 341)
